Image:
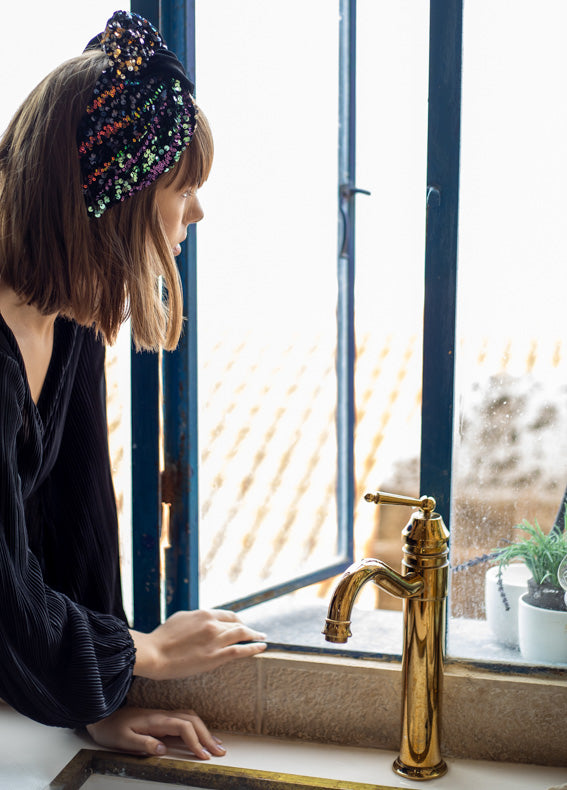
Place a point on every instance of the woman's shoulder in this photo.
(91, 349)
(74, 343)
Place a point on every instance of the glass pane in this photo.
(267, 293)
(392, 88)
(511, 438)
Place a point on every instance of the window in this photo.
(510, 457)
(269, 457)
(267, 388)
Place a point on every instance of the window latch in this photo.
(346, 193)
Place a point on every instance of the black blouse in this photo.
(66, 655)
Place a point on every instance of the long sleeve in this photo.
(66, 654)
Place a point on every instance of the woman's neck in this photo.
(26, 317)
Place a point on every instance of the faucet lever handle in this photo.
(426, 503)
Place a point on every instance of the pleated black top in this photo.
(66, 656)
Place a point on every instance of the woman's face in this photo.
(179, 207)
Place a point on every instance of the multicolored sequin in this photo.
(129, 41)
(136, 125)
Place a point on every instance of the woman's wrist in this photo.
(146, 663)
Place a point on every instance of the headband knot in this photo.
(130, 41)
(140, 118)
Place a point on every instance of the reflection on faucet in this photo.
(423, 586)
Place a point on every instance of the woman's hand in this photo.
(189, 643)
(139, 730)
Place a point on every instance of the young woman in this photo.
(99, 172)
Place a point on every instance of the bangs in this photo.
(194, 165)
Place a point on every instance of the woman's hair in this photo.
(98, 271)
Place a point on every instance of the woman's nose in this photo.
(195, 213)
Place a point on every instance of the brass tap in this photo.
(423, 586)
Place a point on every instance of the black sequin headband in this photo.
(141, 116)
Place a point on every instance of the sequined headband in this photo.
(141, 116)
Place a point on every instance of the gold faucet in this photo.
(423, 586)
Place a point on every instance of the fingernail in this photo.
(160, 749)
(218, 740)
(205, 754)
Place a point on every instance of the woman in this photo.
(99, 172)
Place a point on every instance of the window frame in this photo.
(178, 482)
(174, 480)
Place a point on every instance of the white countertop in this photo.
(31, 755)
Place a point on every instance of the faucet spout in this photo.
(337, 625)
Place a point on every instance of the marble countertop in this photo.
(31, 755)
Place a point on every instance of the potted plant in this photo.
(542, 554)
(542, 613)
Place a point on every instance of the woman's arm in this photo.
(62, 663)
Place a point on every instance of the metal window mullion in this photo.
(443, 151)
(181, 446)
(149, 9)
(345, 274)
(146, 497)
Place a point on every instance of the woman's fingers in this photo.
(190, 728)
(240, 633)
(225, 615)
(143, 744)
(206, 738)
(235, 629)
(229, 617)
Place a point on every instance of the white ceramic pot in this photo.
(502, 623)
(543, 634)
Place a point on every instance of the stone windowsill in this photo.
(489, 712)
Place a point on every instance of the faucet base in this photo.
(419, 771)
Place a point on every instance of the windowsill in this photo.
(378, 633)
(333, 697)
(291, 625)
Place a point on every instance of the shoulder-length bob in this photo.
(98, 271)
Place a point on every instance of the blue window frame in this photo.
(442, 206)
(177, 373)
(178, 370)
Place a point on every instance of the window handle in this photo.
(346, 193)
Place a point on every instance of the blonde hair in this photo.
(98, 271)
